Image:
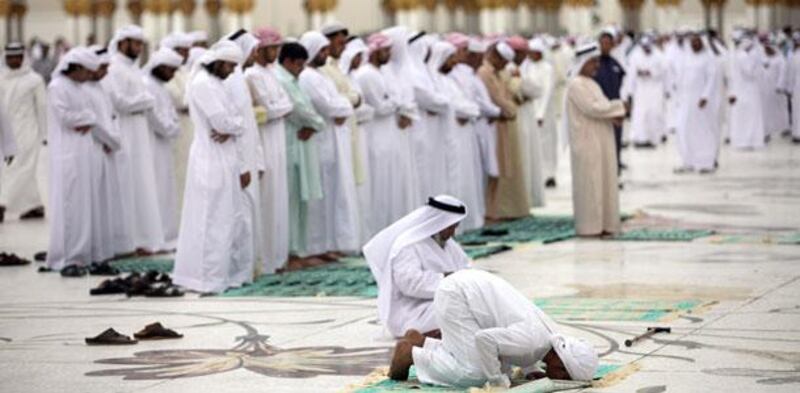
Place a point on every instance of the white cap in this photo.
(505, 51)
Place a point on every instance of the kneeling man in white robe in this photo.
(488, 326)
(410, 258)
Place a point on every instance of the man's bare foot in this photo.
(414, 337)
(401, 361)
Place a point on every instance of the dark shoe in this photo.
(102, 269)
(12, 260)
(33, 214)
(623, 167)
(645, 145)
(155, 331)
(73, 271)
(44, 269)
(109, 287)
(40, 256)
(163, 290)
(550, 183)
(2, 213)
(110, 337)
(707, 171)
(796, 141)
(664, 139)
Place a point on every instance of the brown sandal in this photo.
(155, 331)
(110, 337)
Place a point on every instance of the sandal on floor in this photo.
(110, 337)
(155, 331)
(109, 287)
(12, 260)
(40, 256)
(163, 291)
(73, 271)
(102, 269)
(33, 214)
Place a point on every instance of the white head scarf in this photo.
(177, 40)
(505, 51)
(476, 46)
(247, 42)
(440, 212)
(314, 42)
(164, 56)
(400, 59)
(440, 52)
(582, 55)
(102, 54)
(132, 32)
(79, 55)
(198, 36)
(351, 50)
(538, 45)
(579, 357)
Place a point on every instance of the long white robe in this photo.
(181, 145)
(252, 158)
(460, 146)
(8, 145)
(793, 87)
(487, 326)
(417, 271)
(486, 140)
(70, 183)
(131, 100)
(776, 108)
(268, 93)
(746, 122)
(385, 154)
(647, 89)
(24, 100)
(544, 108)
(530, 140)
(109, 232)
(163, 121)
(213, 221)
(595, 192)
(697, 134)
(335, 216)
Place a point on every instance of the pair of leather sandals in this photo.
(153, 331)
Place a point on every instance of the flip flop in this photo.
(73, 271)
(110, 337)
(155, 331)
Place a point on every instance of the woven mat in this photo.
(663, 235)
(545, 229)
(142, 265)
(541, 386)
(598, 309)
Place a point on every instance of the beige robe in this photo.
(513, 200)
(177, 90)
(510, 165)
(595, 192)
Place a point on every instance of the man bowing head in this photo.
(410, 258)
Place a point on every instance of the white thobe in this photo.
(252, 157)
(385, 155)
(335, 217)
(793, 86)
(163, 121)
(268, 93)
(109, 232)
(746, 122)
(427, 139)
(697, 135)
(531, 144)
(70, 183)
(417, 271)
(485, 130)
(131, 100)
(25, 103)
(460, 147)
(213, 220)
(544, 108)
(487, 326)
(181, 145)
(776, 116)
(8, 145)
(647, 89)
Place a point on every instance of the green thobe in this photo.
(302, 160)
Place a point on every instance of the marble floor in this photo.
(742, 333)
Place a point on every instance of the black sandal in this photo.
(12, 260)
(102, 269)
(155, 331)
(110, 337)
(73, 271)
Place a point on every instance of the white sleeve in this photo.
(410, 278)
(377, 98)
(328, 106)
(516, 340)
(124, 102)
(208, 101)
(543, 101)
(8, 145)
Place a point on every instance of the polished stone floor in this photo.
(740, 334)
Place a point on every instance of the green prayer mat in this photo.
(793, 238)
(486, 251)
(545, 229)
(666, 235)
(142, 265)
(594, 309)
(335, 279)
(542, 386)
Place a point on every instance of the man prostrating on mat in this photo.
(487, 326)
(410, 258)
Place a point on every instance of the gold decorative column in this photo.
(712, 10)
(181, 15)
(631, 11)
(318, 12)
(14, 11)
(104, 10)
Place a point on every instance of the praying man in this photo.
(410, 258)
(486, 327)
